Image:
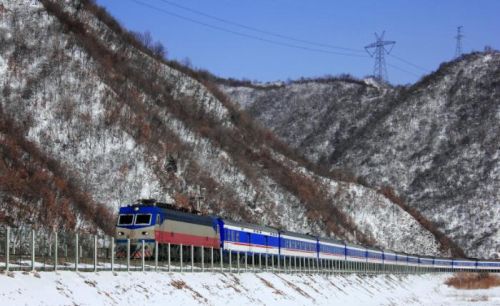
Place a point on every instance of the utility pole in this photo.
(458, 48)
(378, 50)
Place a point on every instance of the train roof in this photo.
(250, 225)
(174, 214)
(352, 245)
(331, 240)
(425, 256)
(303, 236)
(373, 249)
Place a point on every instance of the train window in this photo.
(143, 219)
(125, 219)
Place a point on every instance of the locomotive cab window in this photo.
(143, 219)
(125, 219)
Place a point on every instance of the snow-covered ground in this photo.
(151, 288)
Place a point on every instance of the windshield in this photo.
(143, 219)
(125, 219)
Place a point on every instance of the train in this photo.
(156, 224)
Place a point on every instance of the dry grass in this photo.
(179, 284)
(473, 281)
(268, 284)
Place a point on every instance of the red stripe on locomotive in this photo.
(177, 238)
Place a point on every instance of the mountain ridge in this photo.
(374, 135)
(87, 93)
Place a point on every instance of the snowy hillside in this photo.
(105, 288)
(435, 142)
(123, 123)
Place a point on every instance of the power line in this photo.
(260, 30)
(409, 63)
(283, 44)
(237, 33)
(403, 70)
(282, 36)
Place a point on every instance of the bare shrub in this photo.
(473, 281)
(179, 284)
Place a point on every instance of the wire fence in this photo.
(30, 250)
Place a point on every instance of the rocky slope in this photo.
(124, 123)
(436, 143)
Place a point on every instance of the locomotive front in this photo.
(138, 223)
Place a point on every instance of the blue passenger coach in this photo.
(331, 249)
(413, 261)
(300, 245)
(374, 255)
(355, 253)
(248, 238)
(389, 258)
(464, 264)
(426, 262)
(443, 263)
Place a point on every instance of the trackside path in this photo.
(150, 288)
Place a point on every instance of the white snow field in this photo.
(158, 288)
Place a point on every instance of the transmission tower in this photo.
(379, 49)
(460, 35)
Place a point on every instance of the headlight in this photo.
(144, 233)
(121, 233)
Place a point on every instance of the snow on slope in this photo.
(58, 90)
(152, 288)
(435, 142)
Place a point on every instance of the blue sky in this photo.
(424, 32)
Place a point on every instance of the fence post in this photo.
(128, 254)
(7, 249)
(95, 253)
(143, 255)
(230, 268)
(202, 259)
(221, 261)
(55, 251)
(238, 259)
(112, 254)
(180, 250)
(246, 261)
(168, 256)
(253, 261)
(212, 258)
(76, 252)
(192, 258)
(156, 254)
(32, 250)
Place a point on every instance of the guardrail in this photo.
(29, 250)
